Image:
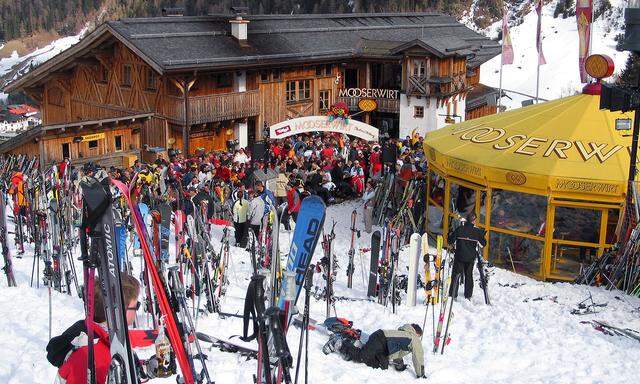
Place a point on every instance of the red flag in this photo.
(583, 17)
(507, 47)
(541, 60)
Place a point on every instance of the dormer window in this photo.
(419, 67)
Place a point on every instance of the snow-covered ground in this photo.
(515, 340)
(560, 76)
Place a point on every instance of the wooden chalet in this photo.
(135, 86)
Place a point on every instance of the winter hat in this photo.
(417, 328)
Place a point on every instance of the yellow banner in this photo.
(95, 136)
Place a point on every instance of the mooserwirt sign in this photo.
(370, 93)
(323, 124)
(530, 145)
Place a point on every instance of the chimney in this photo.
(238, 24)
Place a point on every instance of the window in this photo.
(264, 76)
(126, 75)
(298, 90)
(418, 67)
(103, 74)
(93, 144)
(224, 80)
(290, 91)
(304, 89)
(275, 74)
(55, 97)
(325, 99)
(66, 152)
(418, 112)
(152, 80)
(118, 142)
(323, 70)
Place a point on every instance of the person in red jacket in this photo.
(69, 351)
(293, 204)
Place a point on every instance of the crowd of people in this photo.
(241, 188)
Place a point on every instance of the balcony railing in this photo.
(384, 105)
(210, 108)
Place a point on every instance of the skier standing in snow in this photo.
(465, 238)
(384, 346)
(69, 351)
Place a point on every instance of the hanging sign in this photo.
(323, 124)
(92, 137)
(371, 93)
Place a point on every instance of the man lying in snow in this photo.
(383, 346)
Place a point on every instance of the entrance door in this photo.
(578, 238)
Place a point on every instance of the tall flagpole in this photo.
(500, 86)
(538, 79)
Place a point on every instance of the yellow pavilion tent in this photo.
(547, 182)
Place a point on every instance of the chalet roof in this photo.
(171, 44)
(21, 138)
(478, 96)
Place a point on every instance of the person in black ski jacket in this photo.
(382, 347)
(465, 239)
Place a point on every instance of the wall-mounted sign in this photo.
(367, 105)
(323, 124)
(371, 93)
(95, 136)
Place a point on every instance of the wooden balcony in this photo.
(384, 105)
(219, 107)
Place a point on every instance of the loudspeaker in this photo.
(389, 153)
(259, 151)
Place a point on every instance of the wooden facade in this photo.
(132, 68)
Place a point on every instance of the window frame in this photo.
(326, 100)
(68, 144)
(416, 114)
(297, 91)
(115, 143)
(127, 78)
(151, 80)
(90, 143)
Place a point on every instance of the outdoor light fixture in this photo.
(623, 124)
(77, 139)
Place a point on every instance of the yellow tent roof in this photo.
(566, 146)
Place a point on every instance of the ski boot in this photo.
(333, 345)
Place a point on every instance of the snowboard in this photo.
(305, 238)
(373, 266)
(165, 231)
(414, 256)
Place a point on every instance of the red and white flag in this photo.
(584, 10)
(541, 60)
(507, 47)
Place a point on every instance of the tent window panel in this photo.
(577, 224)
(515, 252)
(520, 212)
(463, 199)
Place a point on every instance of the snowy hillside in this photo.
(560, 76)
(516, 340)
(14, 66)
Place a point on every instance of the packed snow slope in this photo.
(515, 340)
(560, 76)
